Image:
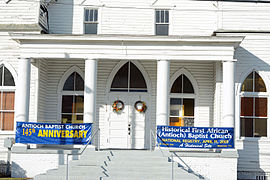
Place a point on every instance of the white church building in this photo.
(192, 63)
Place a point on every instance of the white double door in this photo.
(127, 128)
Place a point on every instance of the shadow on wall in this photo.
(249, 164)
(60, 16)
(17, 171)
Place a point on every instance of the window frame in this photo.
(61, 85)
(183, 96)
(70, 93)
(7, 89)
(162, 23)
(253, 95)
(91, 22)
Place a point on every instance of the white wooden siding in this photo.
(247, 16)
(19, 12)
(61, 17)
(55, 71)
(42, 90)
(134, 17)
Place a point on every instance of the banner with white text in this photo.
(52, 133)
(195, 137)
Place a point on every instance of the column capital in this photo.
(233, 60)
(93, 59)
(163, 60)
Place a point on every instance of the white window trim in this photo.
(240, 94)
(155, 23)
(9, 89)
(186, 95)
(90, 22)
(61, 84)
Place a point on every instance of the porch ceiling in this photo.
(210, 48)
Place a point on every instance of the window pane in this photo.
(188, 122)
(121, 78)
(8, 101)
(166, 16)
(79, 104)
(8, 78)
(247, 127)
(96, 15)
(79, 83)
(67, 104)
(261, 107)
(260, 127)
(175, 106)
(162, 29)
(162, 17)
(259, 84)
(176, 121)
(91, 15)
(188, 107)
(157, 16)
(136, 78)
(77, 118)
(248, 83)
(66, 118)
(177, 85)
(188, 88)
(90, 28)
(86, 15)
(1, 74)
(7, 121)
(69, 84)
(246, 106)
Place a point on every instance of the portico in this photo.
(97, 56)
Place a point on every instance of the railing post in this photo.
(150, 140)
(98, 140)
(67, 168)
(172, 165)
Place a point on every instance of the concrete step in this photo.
(83, 170)
(69, 178)
(138, 153)
(149, 176)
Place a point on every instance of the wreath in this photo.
(140, 106)
(118, 106)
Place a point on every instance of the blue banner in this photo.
(195, 137)
(51, 133)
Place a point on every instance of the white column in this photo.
(163, 74)
(90, 88)
(23, 90)
(228, 94)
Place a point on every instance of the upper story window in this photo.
(182, 100)
(7, 97)
(90, 21)
(72, 99)
(253, 106)
(162, 22)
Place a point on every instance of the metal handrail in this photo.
(85, 146)
(155, 137)
(152, 135)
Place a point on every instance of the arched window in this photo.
(253, 106)
(7, 97)
(182, 99)
(129, 79)
(72, 99)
